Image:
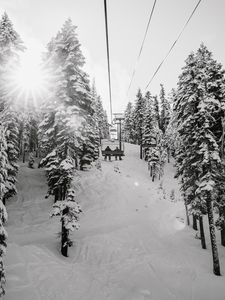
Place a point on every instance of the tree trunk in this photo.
(168, 155)
(56, 194)
(60, 193)
(64, 241)
(153, 173)
(216, 264)
(64, 191)
(141, 150)
(36, 151)
(186, 210)
(202, 233)
(222, 231)
(24, 155)
(195, 226)
(186, 206)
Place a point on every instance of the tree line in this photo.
(188, 124)
(64, 131)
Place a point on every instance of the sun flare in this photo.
(29, 77)
(29, 80)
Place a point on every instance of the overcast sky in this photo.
(38, 20)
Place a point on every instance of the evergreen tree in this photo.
(150, 126)
(69, 132)
(105, 125)
(10, 47)
(51, 163)
(170, 136)
(90, 150)
(152, 139)
(165, 109)
(156, 109)
(10, 123)
(47, 130)
(100, 114)
(138, 119)
(70, 102)
(69, 211)
(200, 107)
(128, 124)
(154, 162)
(93, 131)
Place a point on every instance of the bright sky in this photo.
(38, 20)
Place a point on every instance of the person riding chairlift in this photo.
(116, 150)
(108, 154)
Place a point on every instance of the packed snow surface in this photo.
(133, 243)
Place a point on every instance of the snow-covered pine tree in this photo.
(171, 129)
(47, 131)
(31, 161)
(186, 155)
(93, 132)
(71, 60)
(10, 47)
(9, 120)
(105, 125)
(200, 107)
(138, 119)
(154, 162)
(128, 124)
(210, 160)
(67, 113)
(150, 126)
(156, 108)
(179, 154)
(69, 211)
(97, 121)
(51, 163)
(152, 139)
(77, 93)
(165, 109)
(70, 95)
(100, 114)
(33, 137)
(3, 213)
(90, 147)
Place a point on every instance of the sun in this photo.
(29, 77)
(29, 80)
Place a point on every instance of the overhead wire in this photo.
(142, 45)
(173, 45)
(108, 57)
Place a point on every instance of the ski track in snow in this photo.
(132, 244)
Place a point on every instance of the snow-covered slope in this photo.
(132, 244)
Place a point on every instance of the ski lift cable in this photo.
(108, 57)
(142, 45)
(173, 45)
